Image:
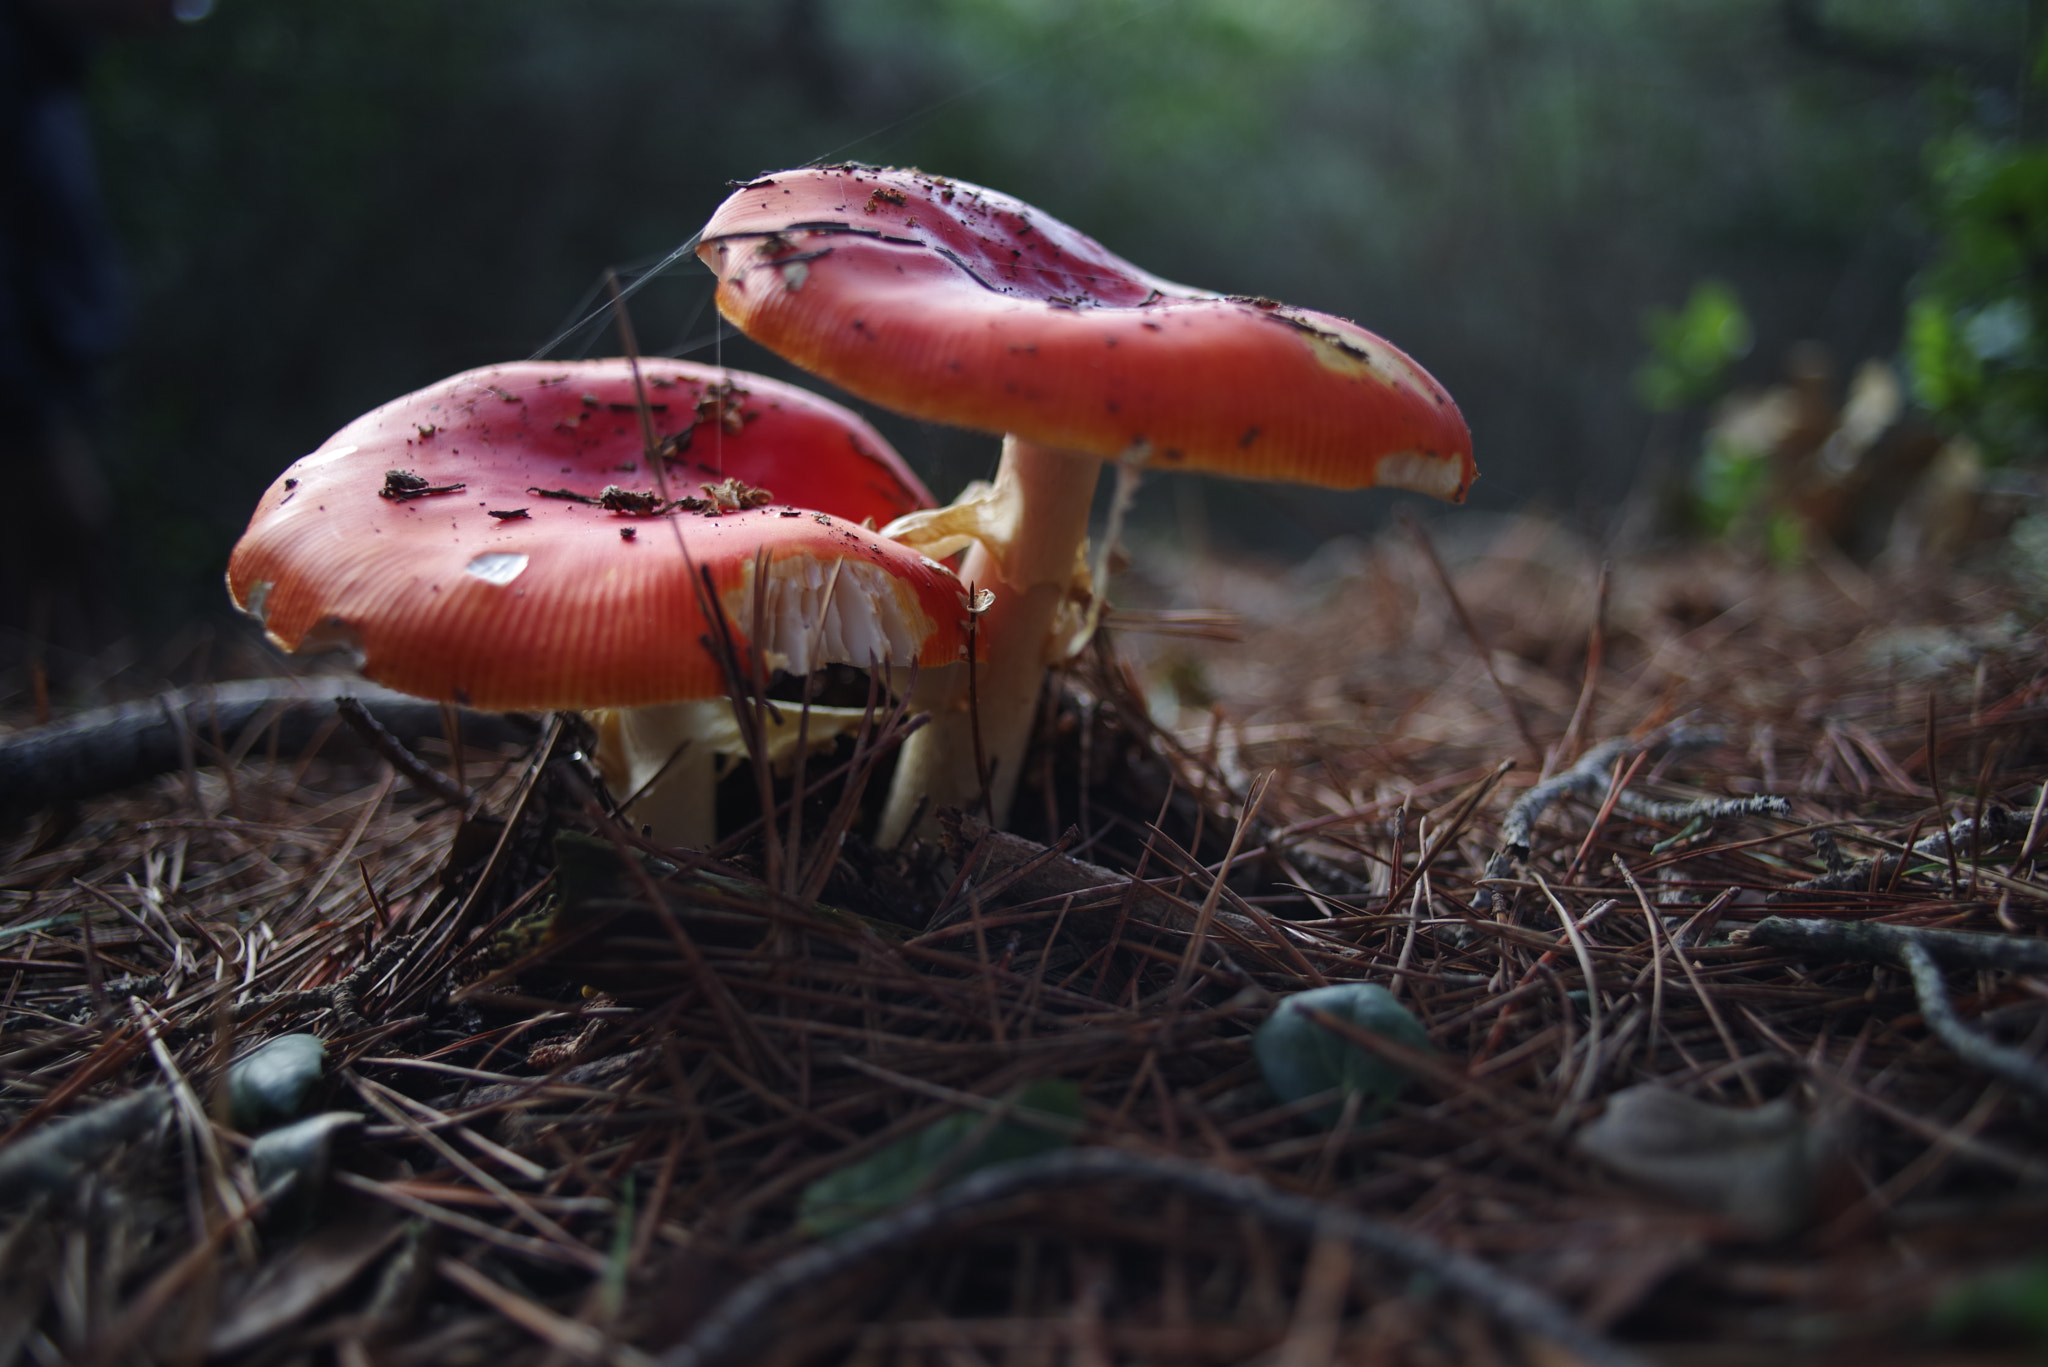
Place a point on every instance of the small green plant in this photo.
(1036, 1118)
(1691, 348)
(2011, 1301)
(1977, 321)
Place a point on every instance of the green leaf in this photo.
(268, 1085)
(1301, 1058)
(1041, 1116)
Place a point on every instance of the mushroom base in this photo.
(662, 763)
(1029, 549)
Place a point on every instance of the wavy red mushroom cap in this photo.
(458, 540)
(957, 304)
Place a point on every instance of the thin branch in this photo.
(732, 1332)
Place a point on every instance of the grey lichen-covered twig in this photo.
(733, 1331)
(1997, 1059)
(1924, 953)
(1965, 837)
(1592, 774)
(1882, 943)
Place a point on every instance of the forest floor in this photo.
(1679, 1057)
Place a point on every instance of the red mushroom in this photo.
(956, 304)
(499, 540)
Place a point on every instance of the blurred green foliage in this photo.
(1692, 347)
(1728, 482)
(1977, 335)
(2011, 1301)
(1036, 1118)
(329, 205)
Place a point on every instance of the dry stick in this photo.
(1881, 942)
(728, 1334)
(1288, 940)
(2025, 1167)
(1998, 827)
(1421, 535)
(1517, 828)
(1923, 953)
(417, 772)
(107, 1058)
(962, 832)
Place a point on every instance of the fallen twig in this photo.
(1995, 828)
(1875, 940)
(1590, 775)
(1997, 1059)
(730, 1332)
(417, 772)
(1924, 953)
(117, 747)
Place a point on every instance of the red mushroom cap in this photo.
(957, 304)
(464, 580)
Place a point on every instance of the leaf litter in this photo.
(583, 1099)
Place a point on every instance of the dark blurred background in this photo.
(323, 204)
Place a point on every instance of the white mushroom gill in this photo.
(811, 616)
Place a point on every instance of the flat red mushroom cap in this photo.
(957, 304)
(568, 603)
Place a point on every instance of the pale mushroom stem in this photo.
(1032, 576)
(662, 759)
